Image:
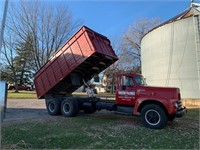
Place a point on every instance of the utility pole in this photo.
(3, 84)
(3, 27)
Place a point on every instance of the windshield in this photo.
(140, 80)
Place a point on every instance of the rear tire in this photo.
(153, 116)
(53, 107)
(69, 108)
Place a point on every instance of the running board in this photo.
(124, 110)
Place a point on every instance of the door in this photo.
(126, 91)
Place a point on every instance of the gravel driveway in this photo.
(18, 109)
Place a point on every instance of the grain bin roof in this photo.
(193, 10)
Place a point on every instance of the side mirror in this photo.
(96, 78)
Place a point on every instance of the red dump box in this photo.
(86, 54)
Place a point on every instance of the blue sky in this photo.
(112, 17)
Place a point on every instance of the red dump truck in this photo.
(84, 56)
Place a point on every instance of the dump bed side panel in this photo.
(85, 54)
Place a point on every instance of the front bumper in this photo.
(181, 112)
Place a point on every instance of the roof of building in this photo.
(193, 10)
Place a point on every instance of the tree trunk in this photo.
(15, 81)
(22, 73)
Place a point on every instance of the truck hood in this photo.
(159, 92)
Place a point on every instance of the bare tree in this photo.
(131, 42)
(129, 50)
(9, 58)
(34, 31)
(49, 26)
(109, 75)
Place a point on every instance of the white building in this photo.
(171, 53)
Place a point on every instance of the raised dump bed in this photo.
(86, 54)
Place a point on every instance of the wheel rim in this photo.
(51, 107)
(152, 117)
(66, 108)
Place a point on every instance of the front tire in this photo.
(153, 116)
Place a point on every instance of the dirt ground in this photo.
(19, 109)
(22, 109)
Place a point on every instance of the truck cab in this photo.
(156, 105)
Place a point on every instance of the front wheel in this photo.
(153, 116)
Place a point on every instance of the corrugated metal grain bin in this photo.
(86, 54)
(171, 53)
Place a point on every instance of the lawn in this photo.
(21, 94)
(105, 130)
(32, 95)
(101, 130)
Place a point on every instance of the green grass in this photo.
(101, 131)
(32, 95)
(21, 95)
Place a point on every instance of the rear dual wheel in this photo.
(53, 107)
(69, 108)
